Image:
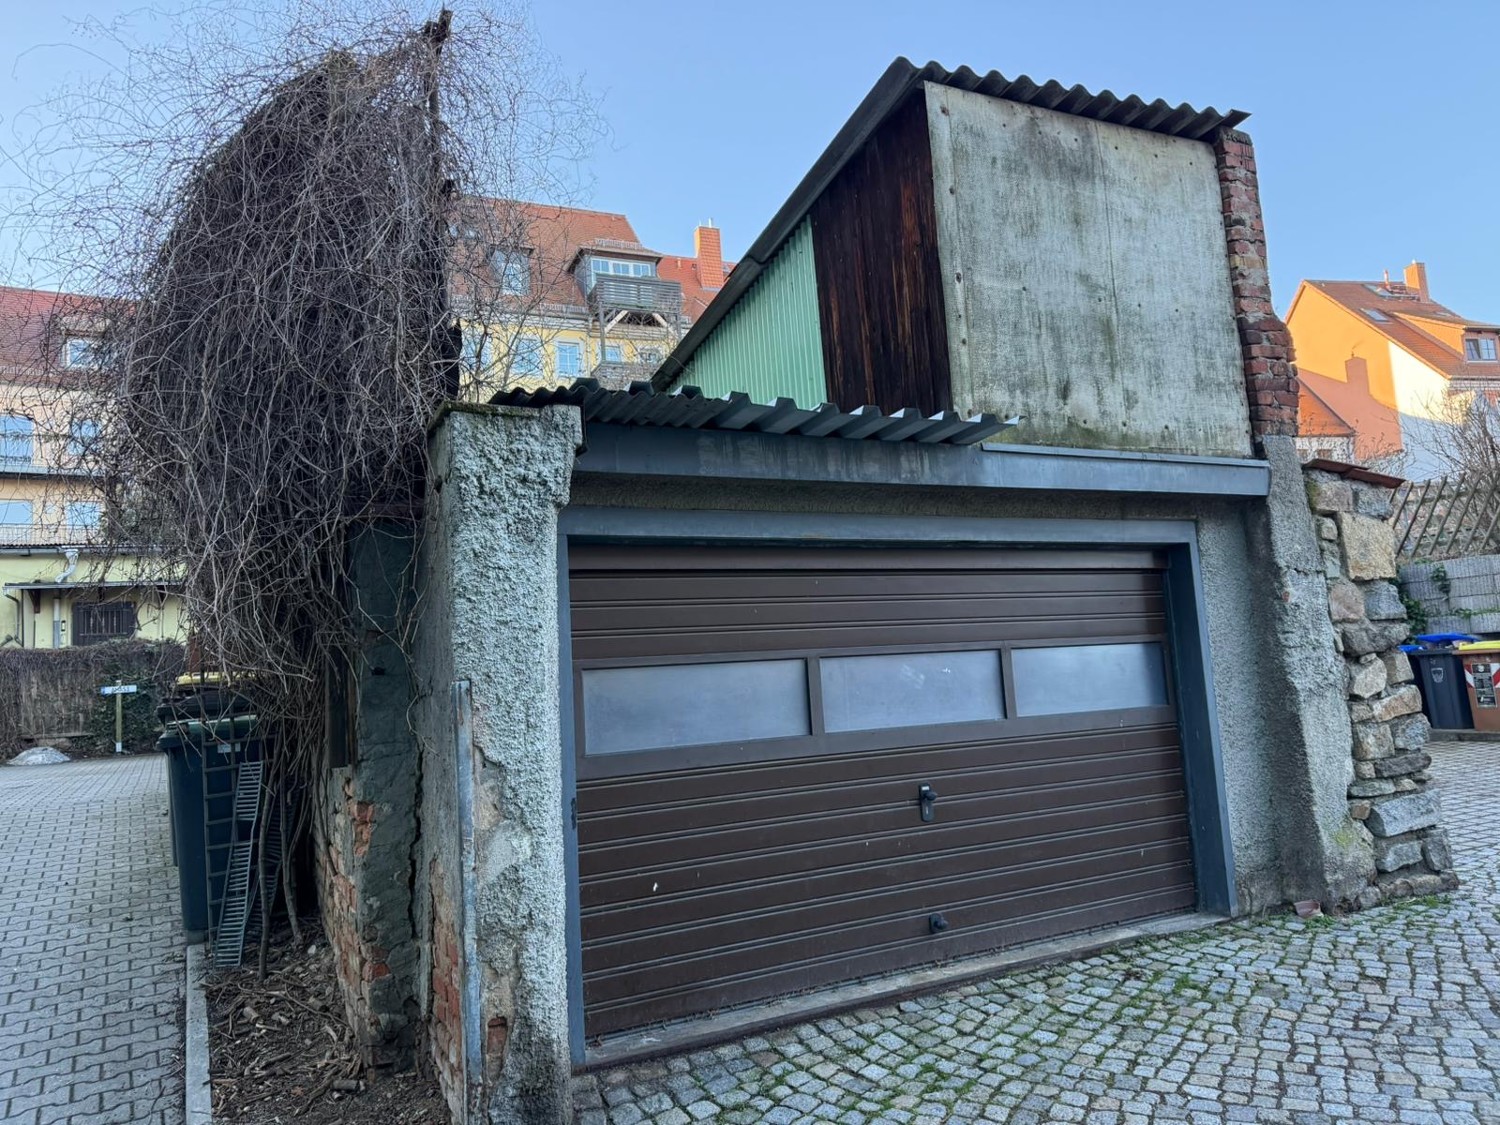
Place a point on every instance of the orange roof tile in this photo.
(1315, 417)
(33, 323)
(1405, 311)
(684, 271)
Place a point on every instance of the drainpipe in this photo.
(19, 637)
(470, 1023)
(71, 554)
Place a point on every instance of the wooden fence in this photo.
(1449, 517)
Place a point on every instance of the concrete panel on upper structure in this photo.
(1086, 279)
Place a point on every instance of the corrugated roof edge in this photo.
(901, 78)
(689, 408)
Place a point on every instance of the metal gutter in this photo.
(750, 455)
(900, 79)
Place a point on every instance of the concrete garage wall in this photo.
(496, 919)
(1086, 279)
(497, 1004)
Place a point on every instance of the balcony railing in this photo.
(636, 294)
(51, 535)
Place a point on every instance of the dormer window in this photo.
(81, 351)
(620, 268)
(512, 268)
(1480, 349)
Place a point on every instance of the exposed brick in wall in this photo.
(1265, 343)
(354, 929)
(444, 1023)
(366, 821)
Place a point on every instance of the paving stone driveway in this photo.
(91, 961)
(1389, 1016)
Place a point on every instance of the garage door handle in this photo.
(926, 798)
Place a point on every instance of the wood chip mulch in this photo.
(281, 1051)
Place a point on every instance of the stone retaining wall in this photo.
(1391, 794)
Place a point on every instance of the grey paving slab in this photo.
(1392, 1015)
(91, 960)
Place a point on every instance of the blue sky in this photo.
(1373, 121)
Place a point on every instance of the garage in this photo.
(802, 765)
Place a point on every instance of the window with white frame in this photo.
(617, 267)
(16, 513)
(17, 439)
(82, 434)
(477, 352)
(526, 357)
(569, 358)
(83, 514)
(512, 267)
(613, 353)
(81, 351)
(1480, 348)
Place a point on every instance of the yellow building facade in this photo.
(58, 587)
(554, 294)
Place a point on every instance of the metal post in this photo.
(119, 719)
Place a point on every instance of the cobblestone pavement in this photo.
(1388, 1016)
(91, 960)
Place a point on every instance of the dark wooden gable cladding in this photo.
(880, 293)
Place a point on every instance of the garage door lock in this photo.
(936, 923)
(926, 798)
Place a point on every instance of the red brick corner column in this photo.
(1265, 343)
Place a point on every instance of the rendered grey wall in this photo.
(1275, 782)
(499, 476)
(1086, 279)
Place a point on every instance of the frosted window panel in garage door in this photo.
(910, 689)
(665, 705)
(1074, 678)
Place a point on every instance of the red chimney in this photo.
(709, 251)
(1416, 279)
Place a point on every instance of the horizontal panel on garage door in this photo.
(891, 784)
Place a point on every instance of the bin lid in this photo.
(1411, 648)
(1444, 638)
(1481, 646)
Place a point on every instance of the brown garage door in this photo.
(804, 766)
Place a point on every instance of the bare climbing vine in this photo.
(282, 230)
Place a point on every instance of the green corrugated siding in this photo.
(770, 344)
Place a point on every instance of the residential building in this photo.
(1384, 363)
(57, 586)
(554, 293)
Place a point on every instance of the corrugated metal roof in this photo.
(1157, 116)
(899, 80)
(690, 408)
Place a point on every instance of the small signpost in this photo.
(119, 691)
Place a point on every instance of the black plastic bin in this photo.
(1440, 678)
(202, 760)
(185, 780)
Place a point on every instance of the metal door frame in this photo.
(1187, 632)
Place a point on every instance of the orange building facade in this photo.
(1387, 373)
